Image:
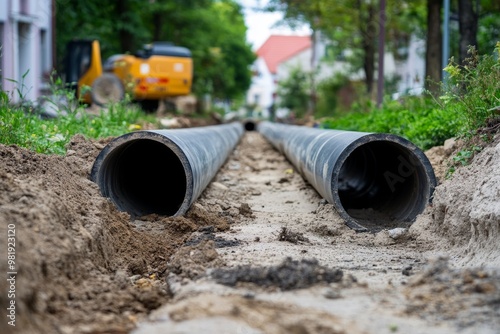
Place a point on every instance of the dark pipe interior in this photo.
(250, 126)
(382, 183)
(143, 177)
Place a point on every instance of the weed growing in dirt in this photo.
(22, 124)
(473, 89)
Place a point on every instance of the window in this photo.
(256, 98)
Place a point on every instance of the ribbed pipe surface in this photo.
(163, 171)
(374, 181)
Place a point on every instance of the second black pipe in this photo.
(374, 181)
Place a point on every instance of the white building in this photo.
(26, 40)
(279, 55)
(276, 50)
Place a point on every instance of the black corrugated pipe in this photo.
(163, 171)
(374, 181)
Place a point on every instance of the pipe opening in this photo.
(144, 176)
(383, 184)
(250, 126)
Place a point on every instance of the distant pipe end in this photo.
(250, 125)
(143, 173)
(381, 182)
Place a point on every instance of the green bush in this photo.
(473, 89)
(417, 119)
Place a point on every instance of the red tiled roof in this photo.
(278, 48)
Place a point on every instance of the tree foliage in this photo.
(353, 25)
(214, 31)
(293, 93)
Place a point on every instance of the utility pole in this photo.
(381, 53)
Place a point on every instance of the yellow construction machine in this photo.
(159, 71)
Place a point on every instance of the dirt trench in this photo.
(259, 252)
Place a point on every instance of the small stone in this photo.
(407, 271)
(450, 145)
(332, 294)
(249, 295)
(134, 278)
(219, 186)
(397, 233)
(70, 152)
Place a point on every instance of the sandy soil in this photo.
(259, 252)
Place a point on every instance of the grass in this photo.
(21, 125)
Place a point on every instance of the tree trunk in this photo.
(158, 26)
(125, 37)
(433, 54)
(468, 21)
(368, 32)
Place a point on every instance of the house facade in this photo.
(26, 39)
(275, 50)
(279, 55)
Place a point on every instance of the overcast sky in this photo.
(260, 25)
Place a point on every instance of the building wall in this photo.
(26, 53)
(412, 69)
(260, 93)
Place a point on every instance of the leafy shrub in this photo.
(417, 119)
(473, 89)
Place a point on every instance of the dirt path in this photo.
(259, 252)
(385, 280)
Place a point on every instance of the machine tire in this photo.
(107, 88)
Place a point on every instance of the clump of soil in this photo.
(325, 230)
(205, 217)
(245, 210)
(208, 233)
(81, 264)
(442, 293)
(193, 261)
(463, 218)
(294, 237)
(288, 275)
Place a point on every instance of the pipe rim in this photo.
(97, 174)
(405, 145)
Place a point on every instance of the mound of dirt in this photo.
(464, 218)
(81, 265)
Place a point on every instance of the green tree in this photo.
(353, 24)
(213, 30)
(293, 93)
